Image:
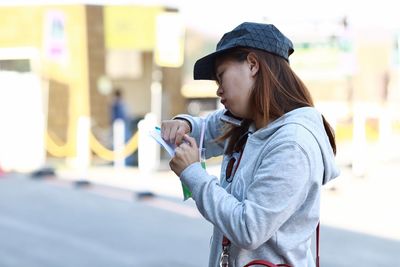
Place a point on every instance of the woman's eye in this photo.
(219, 78)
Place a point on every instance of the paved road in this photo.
(43, 224)
(51, 223)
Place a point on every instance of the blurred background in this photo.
(83, 82)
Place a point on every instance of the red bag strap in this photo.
(265, 263)
(317, 246)
(226, 242)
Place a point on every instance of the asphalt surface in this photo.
(55, 223)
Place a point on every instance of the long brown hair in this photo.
(277, 91)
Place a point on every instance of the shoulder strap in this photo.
(317, 246)
(226, 243)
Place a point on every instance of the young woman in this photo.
(275, 158)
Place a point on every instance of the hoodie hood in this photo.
(310, 119)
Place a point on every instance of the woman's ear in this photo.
(253, 64)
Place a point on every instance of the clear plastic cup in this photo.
(202, 155)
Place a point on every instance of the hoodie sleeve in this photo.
(213, 130)
(278, 189)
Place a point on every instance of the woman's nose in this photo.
(219, 91)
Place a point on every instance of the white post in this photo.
(156, 101)
(119, 143)
(83, 157)
(385, 132)
(149, 150)
(359, 142)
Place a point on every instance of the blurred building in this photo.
(77, 54)
(83, 52)
(348, 70)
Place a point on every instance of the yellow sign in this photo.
(170, 40)
(130, 27)
(199, 89)
(319, 62)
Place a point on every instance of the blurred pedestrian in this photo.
(118, 112)
(278, 151)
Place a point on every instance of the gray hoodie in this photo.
(271, 208)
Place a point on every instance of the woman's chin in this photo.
(236, 114)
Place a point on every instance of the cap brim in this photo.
(204, 68)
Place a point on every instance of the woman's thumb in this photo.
(190, 140)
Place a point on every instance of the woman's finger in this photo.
(184, 146)
(165, 132)
(178, 151)
(190, 140)
(172, 135)
(172, 164)
(179, 135)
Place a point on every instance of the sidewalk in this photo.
(161, 183)
(367, 204)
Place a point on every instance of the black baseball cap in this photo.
(261, 36)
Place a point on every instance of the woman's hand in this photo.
(173, 131)
(185, 154)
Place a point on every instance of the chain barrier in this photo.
(56, 149)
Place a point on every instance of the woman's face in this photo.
(235, 82)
